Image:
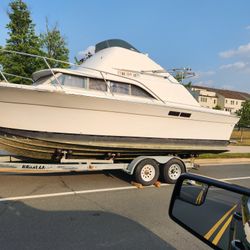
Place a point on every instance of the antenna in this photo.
(182, 73)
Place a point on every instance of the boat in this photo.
(118, 103)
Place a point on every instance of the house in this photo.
(227, 100)
(207, 98)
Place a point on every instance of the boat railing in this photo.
(4, 74)
(70, 64)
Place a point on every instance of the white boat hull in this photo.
(47, 113)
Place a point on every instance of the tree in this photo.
(1, 56)
(188, 85)
(181, 74)
(22, 38)
(244, 114)
(54, 46)
(217, 107)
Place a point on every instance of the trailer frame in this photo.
(154, 167)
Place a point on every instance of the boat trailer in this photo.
(146, 169)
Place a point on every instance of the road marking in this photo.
(222, 163)
(92, 191)
(64, 194)
(222, 231)
(218, 223)
(236, 178)
(199, 198)
(72, 193)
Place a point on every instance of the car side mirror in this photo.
(218, 213)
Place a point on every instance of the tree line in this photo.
(23, 38)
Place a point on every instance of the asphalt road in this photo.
(94, 211)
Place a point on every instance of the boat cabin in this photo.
(79, 82)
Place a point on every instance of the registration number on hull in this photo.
(29, 166)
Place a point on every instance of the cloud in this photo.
(248, 27)
(203, 78)
(233, 74)
(200, 74)
(235, 66)
(90, 49)
(205, 83)
(203, 74)
(242, 50)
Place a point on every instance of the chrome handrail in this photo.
(52, 72)
(45, 59)
(9, 74)
(4, 78)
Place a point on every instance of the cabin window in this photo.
(41, 80)
(128, 89)
(97, 84)
(121, 88)
(137, 91)
(73, 81)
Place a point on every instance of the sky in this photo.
(210, 37)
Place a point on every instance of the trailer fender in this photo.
(160, 159)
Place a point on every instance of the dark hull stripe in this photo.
(42, 145)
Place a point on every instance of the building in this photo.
(205, 97)
(227, 100)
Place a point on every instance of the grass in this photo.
(224, 156)
(236, 137)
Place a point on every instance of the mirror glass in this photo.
(193, 192)
(219, 216)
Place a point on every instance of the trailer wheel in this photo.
(172, 170)
(147, 172)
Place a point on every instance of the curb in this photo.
(222, 161)
(214, 161)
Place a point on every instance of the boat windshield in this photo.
(42, 80)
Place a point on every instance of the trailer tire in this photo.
(147, 172)
(171, 170)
